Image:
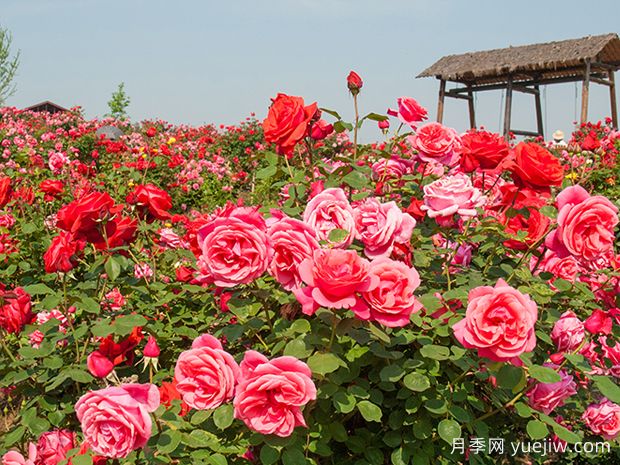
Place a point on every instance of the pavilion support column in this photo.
(472, 110)
(508, 108)
(585, 93)
(612, 98)
(442, 98)
(539, 119)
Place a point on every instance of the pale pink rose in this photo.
(585, 225)
(334, 278)
(452, 195)
(142, 271)
(437, 143)
(206, 374)
(603, 419)
(380, 225)
(168, 238)
(56, 161)
(546, 397)
(115, 420)
(409, 111)
(16, 458)
(52, 447)
(568, 332)
(293, 241)
(499, 322)
(390, 168)
(392, 302)
(235, 247)
(330, 210)
(270, 393)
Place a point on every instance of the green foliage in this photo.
(9, 63)
(118, 103)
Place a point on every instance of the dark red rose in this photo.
(482, 149)
(184, 274)
(152, 201)
(287, 122)
(15, 310)
(354, 82)
(5, 190)
(534, 166)
(62, 254)
(52, 188)
(121, 231)
(23, 194)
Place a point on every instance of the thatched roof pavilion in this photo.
(526, 68)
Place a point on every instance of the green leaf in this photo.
(379, 334)
(85, 459)
(269, 455)
(168, 441)
(321, 364)
(344, 402)
(537, 429)
(223, 416)
(293, 457)
(375, 117)
(297, 348)
(369, 411)
(14, 436)
(217, 459)
(331, 112)
(608, 388)
(112, 268)
(267, 172)
(416, 382)
(549, 211)
(337, 235)
(509, 376)
(88, 304)
(449, 430)
(356, 179)
(38, 289)
(435, 352)
(125, 324)
(544, 374)
(391, 373)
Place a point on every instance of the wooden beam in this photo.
(508, 109)
(440, 103)
(453, 94)
(585, 93)
(612, 99)
(520, 132)
(472, 111)
(603, 82)
(522, 84)
(539, 120)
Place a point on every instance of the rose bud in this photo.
(99, 365)
(151, 349)
(384, 125)
(354, 82)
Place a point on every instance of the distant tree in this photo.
(8, 66)
(119, 102)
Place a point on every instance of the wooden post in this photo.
(442, 97)
(472, 110)
(539, 120)
(508, 109)
(585, 91)
(612, 98)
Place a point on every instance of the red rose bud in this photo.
(321, 129)
(150, 132)
(354, 82)
(151, 349)
(384, 125)
(99, 365)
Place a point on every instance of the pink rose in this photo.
(545, 397)
(499, 322)
(451, 195)
(380, 225)
(115, 420)
(409, 111)
(392, 302)
(293, 241)
(568, 332)
(334, 279)
(16, 458)
(235, 248)
(566, 268)
(390, 168)
(330, 210)
(435, 142)
(603, 419)
(53, 446)
(270, 393)
(206, 374)
(585, 225)
(168, 238)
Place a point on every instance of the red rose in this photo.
(354, 82)
(83, 216)
(120, 231)
(535, 166)
(153, 201)
(52, 188)
(321, 129)
(482, 149)
(535, 225)
(287, 122)
(62, 253)
(5, 190)
(150, 132)
(15, 310)
(599, 322)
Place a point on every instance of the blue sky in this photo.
(192, 61)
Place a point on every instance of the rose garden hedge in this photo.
(274, 292)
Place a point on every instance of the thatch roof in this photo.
(544, 61)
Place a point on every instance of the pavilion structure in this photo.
(592, 59)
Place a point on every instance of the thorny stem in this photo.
(355, 128)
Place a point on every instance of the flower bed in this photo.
(277, 293)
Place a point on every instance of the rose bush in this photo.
(277, 293)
